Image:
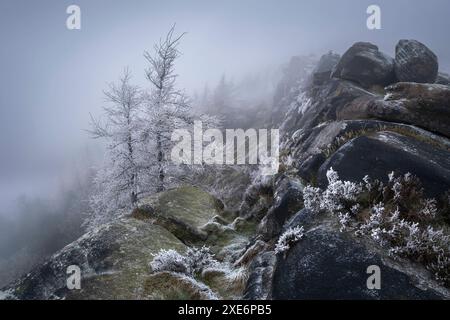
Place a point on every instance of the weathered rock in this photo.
(259, 284)
(183, 211)
(304, 217)
(312, 148)
(443, 78)
(364, 64)
(320, 105)
(383, 152)
(423, 105)
(251, 252)
(325, 67)
(288, 200)
(414, 62)
(436, 95)
(329, 265)
(113, 261)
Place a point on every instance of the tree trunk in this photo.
(161, 174)
(133, 195)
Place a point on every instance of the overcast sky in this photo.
(52, 78)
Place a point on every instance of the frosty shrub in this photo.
(339, 197)
(288, 238)
(200, 258)
(170, 260)
(193, 262)
(395, 215)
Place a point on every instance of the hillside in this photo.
(364, 180)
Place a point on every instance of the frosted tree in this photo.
(166, 107)
(117, 183)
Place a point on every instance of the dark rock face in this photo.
(364, 64)
(259, 284)
(325, 67)
(414, 62)
(304, 218)
(383, 152)
(288, 200)
(328, 265)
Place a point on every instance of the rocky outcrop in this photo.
(330, 265)
(364, 64)
(322, 72)
(351, 123)
(423, 105)
(386, 151)
(414, 62)
(113, 261)
(114, 258)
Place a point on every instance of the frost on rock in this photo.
(6, 295)
(288, 238)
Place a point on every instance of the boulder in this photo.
(113, 261)
(330, 265)
(364, 64)
(183, 211)
(414, 62)
(325, 67)
(383, 152)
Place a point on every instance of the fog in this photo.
(52, 77)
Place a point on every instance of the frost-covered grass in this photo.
(200, 265)
(193, 262)
(396, 215)
(288, 238)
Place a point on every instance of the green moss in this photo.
(188, 204)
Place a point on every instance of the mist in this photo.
(52, 78)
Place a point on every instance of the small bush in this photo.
(200, 258)
(170, 260)
(193, 262)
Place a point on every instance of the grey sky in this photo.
(51, 78)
